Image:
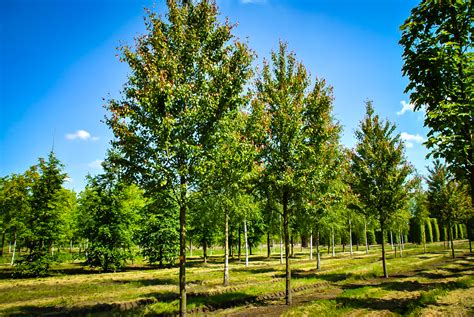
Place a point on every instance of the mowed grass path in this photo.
(419, 284)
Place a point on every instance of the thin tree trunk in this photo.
(318, 263)
(311, 246)
(3, 243)
(403, 240)
(204, 251)
(14, 249)
(423, 236)
(350, 236)
(391, 239)
(400, 244)
(333, 247)
(70, 246)
(269, 250)
(190, 247)
(281, 249)
(366, 239)
(226, 249)
(385, 274)
(291, 246)
(240, 243)
(182, 250)
(450, 237)
(246, 245)
(287, 248)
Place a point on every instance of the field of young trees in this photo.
(226, 188)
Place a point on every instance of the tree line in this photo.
(209, 150)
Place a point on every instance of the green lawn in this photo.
(419, 284)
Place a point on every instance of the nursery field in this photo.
(430, 284)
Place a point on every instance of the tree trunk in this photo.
(291, 245)
(246, 245)
(385, 274)
(311, 246)
(190, 248)
(400, 247)
(14, 249)
(269, 250)
(350, 236)
(204, 251)
(70, 246)
(318, 264)
(366, 239)
(182, 250)
(240, 243)
(333, 246)
(226, 248)
(287, 248)
(281, 249)
(391, 239)
(450, 238)
(3, 243)
(423, 236)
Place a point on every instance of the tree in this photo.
(296, 122)
(439, 61)
(157, 231)
(187, 72)
(109, 210)
(43, 222)
(379, 171)
(447, 198)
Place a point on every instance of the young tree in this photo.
(44, 221)
(379, 171)
(187, 72)
(109, 211)
(296, 122)
(447, 198)
(437, 40)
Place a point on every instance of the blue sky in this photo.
(58, 60)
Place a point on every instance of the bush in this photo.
(435, 227)
(33, 265)
(428, 230)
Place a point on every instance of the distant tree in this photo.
(44, 221)
(295, 122)
(438, 53)
(448, 199)
(187, 72)
(379, 170)
(420, 212)
(157, 231)
(109, 211)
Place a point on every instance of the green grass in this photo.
(418, 281)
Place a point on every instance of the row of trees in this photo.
(202, 146)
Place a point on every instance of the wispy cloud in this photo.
(69, 180)
(81, 135)
(410, 139)
(406, 106)
(97, 164)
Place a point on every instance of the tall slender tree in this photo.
(379, 171)
(296, 122)
(187, 73)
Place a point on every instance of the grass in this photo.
(417, 285)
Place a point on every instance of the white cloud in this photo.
(95, 164)
(410, 138)
(81, 135)
(69, 180)
(409, 145)
(405, 107)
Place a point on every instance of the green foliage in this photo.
(439, 61)
(158, 233)
(109, 211)
(43, 222)
(448, 199)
